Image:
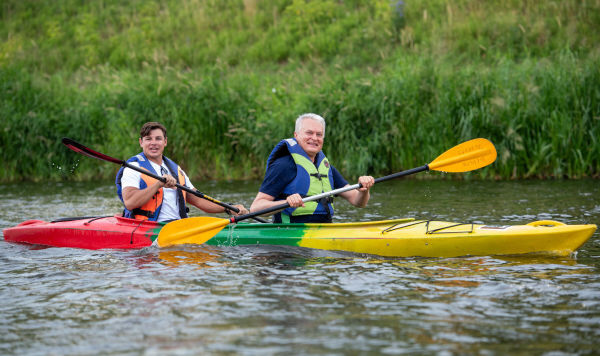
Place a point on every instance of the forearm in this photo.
(356, 197)
(264, 201)
(134, 198)
(265, 204)
(360, 199)
(204, 205)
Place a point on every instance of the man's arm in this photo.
(279, 174)
(265, 201)
(360, 197)
(134, 197)
(206, 205)
(210, 207)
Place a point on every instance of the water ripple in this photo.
(261, 300)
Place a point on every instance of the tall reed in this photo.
(398, 83)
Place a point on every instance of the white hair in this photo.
(312, 116)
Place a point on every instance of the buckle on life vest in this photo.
(138, 211)
(324, 200)
(318, 175)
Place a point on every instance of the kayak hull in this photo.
(407, 237)
(92, 233)
(390, 238)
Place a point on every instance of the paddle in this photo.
(464, 157)
(79, 148)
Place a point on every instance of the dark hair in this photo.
(149, 126)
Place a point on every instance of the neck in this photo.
(158, 160)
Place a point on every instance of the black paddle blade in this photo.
(79, 148)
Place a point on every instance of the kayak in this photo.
(390, 238)
(106, 232)
(408, 237)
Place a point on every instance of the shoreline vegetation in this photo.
(397, 82)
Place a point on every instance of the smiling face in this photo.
(310, 137)
(153, 145)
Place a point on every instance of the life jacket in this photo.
(151, 209)
(309, 179)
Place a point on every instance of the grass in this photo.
(398, 83)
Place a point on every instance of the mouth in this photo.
(312, 148)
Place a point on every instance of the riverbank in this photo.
(397, 85)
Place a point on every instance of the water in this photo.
(247, 300)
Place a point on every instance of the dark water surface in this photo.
(198, 300)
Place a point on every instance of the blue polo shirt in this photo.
(280, 173)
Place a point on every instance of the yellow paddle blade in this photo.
(465, 157)
(195, 230)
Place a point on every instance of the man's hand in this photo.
(295, 200)
(170, 181)
(243, 211)
(366, 182)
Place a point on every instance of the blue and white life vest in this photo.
(151, 209)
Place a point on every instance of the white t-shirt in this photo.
(170, 207)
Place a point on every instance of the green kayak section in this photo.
(261, 234)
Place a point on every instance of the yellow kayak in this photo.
(409, 237)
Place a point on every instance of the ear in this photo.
(165, 141)
(295, 135)
(140, 139)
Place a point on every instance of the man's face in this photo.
(310, 137)
(154, 144)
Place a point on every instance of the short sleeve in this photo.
(131, 178)
(279, 174)
(338, 179)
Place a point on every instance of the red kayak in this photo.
(86, 232)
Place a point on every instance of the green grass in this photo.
(228, 78)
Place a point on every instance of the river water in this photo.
(195, 300)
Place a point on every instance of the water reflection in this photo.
(200, 257)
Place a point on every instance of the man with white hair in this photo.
(297, 168)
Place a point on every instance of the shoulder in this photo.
(131, 178)
(338, 180)
(279, 174)
(136, 158)
(127, 170)
(280, 150)
(282, 169)
(282, 163)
